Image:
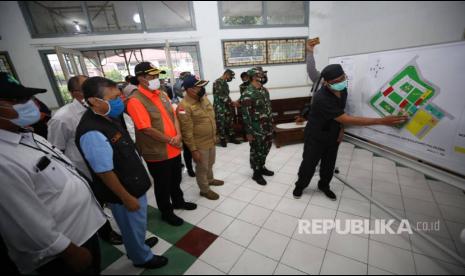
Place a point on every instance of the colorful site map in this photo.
(408, 94)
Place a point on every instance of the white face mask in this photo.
(154, 84)
(28, 114)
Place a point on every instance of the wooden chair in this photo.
(286, 131)
(284, 112)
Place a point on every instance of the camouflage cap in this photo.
(229, 71)
(259, 68)
(252, 72)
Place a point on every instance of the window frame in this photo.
(10, 64)
(43, 55)
(34, 34)
(56, 90)
(266, 40)
(265, 19)
(173, 29)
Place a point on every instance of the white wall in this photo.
(212, 55)
(343, 27)
(357, 26)
(24, 50)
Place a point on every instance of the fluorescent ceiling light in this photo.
(136, 18)
(76, 25)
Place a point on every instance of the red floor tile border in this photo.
(196, 241)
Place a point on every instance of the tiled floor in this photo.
(253, 229)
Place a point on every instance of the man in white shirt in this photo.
(49, 216)
(62, 126)
(62, 133)
(129, 87)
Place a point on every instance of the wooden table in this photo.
(289, 133)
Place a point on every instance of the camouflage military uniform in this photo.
(224, 112)
(258, 122)
(243, 87)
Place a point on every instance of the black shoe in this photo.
(154, 263)
(267, 172)
(113, 238)
(258, 177)
(172, 219)
(328, 193)
(191, 173)
(234, 141)
(151, 242)
(223, 143)
(298, 192)
(186, 206)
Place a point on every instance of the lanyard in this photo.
(69, 167)
(55, 155)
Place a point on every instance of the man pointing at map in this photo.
(325, 127)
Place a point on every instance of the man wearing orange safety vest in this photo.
(159, 141)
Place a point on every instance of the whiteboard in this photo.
(428, 84)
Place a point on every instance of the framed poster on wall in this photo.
(242, 53)
(239, 53)
(286, 51)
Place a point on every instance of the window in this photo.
(6, 65)
(237, 13)
(255, 14)
(168, 14)
(68, 18)
(185, 58)
(114, 16)
(286, 12)
(60, 82)
(117, 63)
(260, 52)
(56, 17)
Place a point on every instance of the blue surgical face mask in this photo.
(115, 107)
(339, 86)
(28, 114)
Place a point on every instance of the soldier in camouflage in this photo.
(258, 123)
(224, 109)
(245, 82)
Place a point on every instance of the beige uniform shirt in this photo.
(198, 125)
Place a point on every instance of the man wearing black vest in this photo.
(325, 127)
(120, 178)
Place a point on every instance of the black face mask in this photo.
(201, 93)
(264, 79)
(261, 80)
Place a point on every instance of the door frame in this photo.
(43, 55)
